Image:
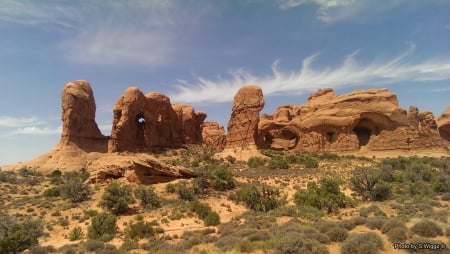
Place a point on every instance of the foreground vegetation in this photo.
(284, 203)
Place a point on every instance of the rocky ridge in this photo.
(363, 120)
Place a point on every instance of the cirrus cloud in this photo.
(349, 73)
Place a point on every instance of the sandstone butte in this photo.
(363, 122)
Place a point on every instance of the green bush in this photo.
(278, 162)
(103, 227)
(16, 236)
(337, 234)
(52, 192)
(140, 230)
(392, 223)
(294, 242)
(74, 188)
(398, 234)
(376, 222)
(256, 162)
(261, 199)
(205, 213)
(365, 243)
(76, 234)
(367, 183)
(427, 228)
(222, 179)
(324, 196)
(117, 197)
(311, 163)
(149, 199)
(94, 245)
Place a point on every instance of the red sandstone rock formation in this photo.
(213, 135)
(142, 122)
(243, 123)
(191, 123)
(78, 117)
(328, 122)
(443, 124)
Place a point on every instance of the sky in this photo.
(201, 52)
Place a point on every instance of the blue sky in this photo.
(201, 52)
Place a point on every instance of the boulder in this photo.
(243, 124)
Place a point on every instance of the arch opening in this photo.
(140, 135)
(363, 134)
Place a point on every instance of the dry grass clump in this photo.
(367, 243)
(427, 228)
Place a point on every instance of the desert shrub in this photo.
(117, 197)
(204, 212)
(278, 162)
(337, 234)
(261, 199)
(446, 196)
(230, 159)
(255, 162)
(8, 177)
(140, 230)
(200, 184)
(16, 236)
(38, 250)
(311, 163)
(367, 183)
(222, 179)
(427, 228)
(259, 235)
(94, 245)
(359, 220)
(324, 196)
(74, 188)
(347, 224)
(295, 243)
(227, 242)
(146, 194)
(392, 223)
(127, 245)
(434, 246)
(76, 234)
(64, 222)
(375, 222)
(212, 219)
(365, 243)
(103, 227)
(397, 234)
(52, 192)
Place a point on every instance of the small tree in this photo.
(76, 190)
(147, 196)
(16, 237)
(367, 183)
(103, 227)
(222, 179)
(117, 197)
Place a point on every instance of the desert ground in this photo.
(286, 202)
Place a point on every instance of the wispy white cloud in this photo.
(140, 33)
(349, 73)
(9, 121)
(439, 90)
(329, 11)
(34, 130)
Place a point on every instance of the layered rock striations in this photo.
(365, 119)
(243, 123)
(213, 135)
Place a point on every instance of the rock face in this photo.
(213, 135)
(369, 119)
(142, 122)
(78, 117)
(443, 124)
(191, 123)
(243, 123)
